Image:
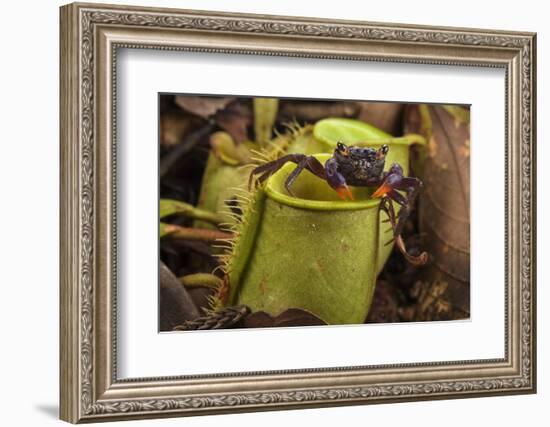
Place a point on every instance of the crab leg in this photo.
(387, 206)
(393, 181)
(311, 164)
(412, 187)
(301, 160)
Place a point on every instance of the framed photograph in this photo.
(267, 212)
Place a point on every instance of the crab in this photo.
(362, 167)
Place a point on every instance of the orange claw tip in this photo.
(383, 189)
(344, 192)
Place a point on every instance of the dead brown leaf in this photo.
(202, 106)
(175, 125)
(384, 115)
(312, 111)
(235, 120)
(290, 317)
(384, 304)
(444, 208)
(176, 305)
(431, 302)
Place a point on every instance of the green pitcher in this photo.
(312, 251)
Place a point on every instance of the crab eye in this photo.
(342, 149)
(382, 151)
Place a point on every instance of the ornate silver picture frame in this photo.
(90, 37)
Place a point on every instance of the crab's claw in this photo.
(335, 179)
(344, 192)
(382, 190)
(392, 181)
